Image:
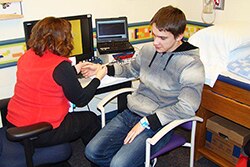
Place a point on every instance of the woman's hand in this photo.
(89, 69)
(78, 67)
(136, 130)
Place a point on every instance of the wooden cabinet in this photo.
(10, 9)
(227, 101)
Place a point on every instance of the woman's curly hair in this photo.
(53, 34)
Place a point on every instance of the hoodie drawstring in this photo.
(152, 59)
(170, 57)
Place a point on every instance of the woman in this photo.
(47, 83)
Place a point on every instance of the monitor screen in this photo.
(82, 33)
(108, 29)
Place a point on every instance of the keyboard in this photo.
(115, 47)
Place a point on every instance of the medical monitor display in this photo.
(82, 33)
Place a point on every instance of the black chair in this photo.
(15, 154)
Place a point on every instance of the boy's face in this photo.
(165, 41)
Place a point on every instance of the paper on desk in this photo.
(106, 81)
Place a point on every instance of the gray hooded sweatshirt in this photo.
(170, 83)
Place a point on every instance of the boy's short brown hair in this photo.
(170, 19)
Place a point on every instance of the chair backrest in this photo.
(3, 109)
(187, 125)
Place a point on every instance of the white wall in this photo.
(135, 10)
(234, 10)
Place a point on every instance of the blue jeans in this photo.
(106, 149)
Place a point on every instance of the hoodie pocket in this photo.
(141, 104)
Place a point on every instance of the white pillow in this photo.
(240, 67)
(223, 38)
(220, 44)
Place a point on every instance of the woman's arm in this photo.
(65, 76)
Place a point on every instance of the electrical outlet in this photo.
(219, 4)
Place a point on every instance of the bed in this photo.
(226, 90)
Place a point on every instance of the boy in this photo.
(171, 81)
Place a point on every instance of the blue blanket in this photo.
(240, 67)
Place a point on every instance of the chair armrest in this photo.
(167, 128)
(112, 95)
(108, 98)
(25, 132)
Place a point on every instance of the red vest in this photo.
(37, 97)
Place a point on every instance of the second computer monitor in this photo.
(82, 33)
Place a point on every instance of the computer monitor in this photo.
(111, 29)
(82, 33)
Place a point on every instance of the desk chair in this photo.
(14, 154)
(176, 140)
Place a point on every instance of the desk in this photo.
(227, 101)
(109, 84)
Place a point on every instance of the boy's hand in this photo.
(101, 72)
(136, 130)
